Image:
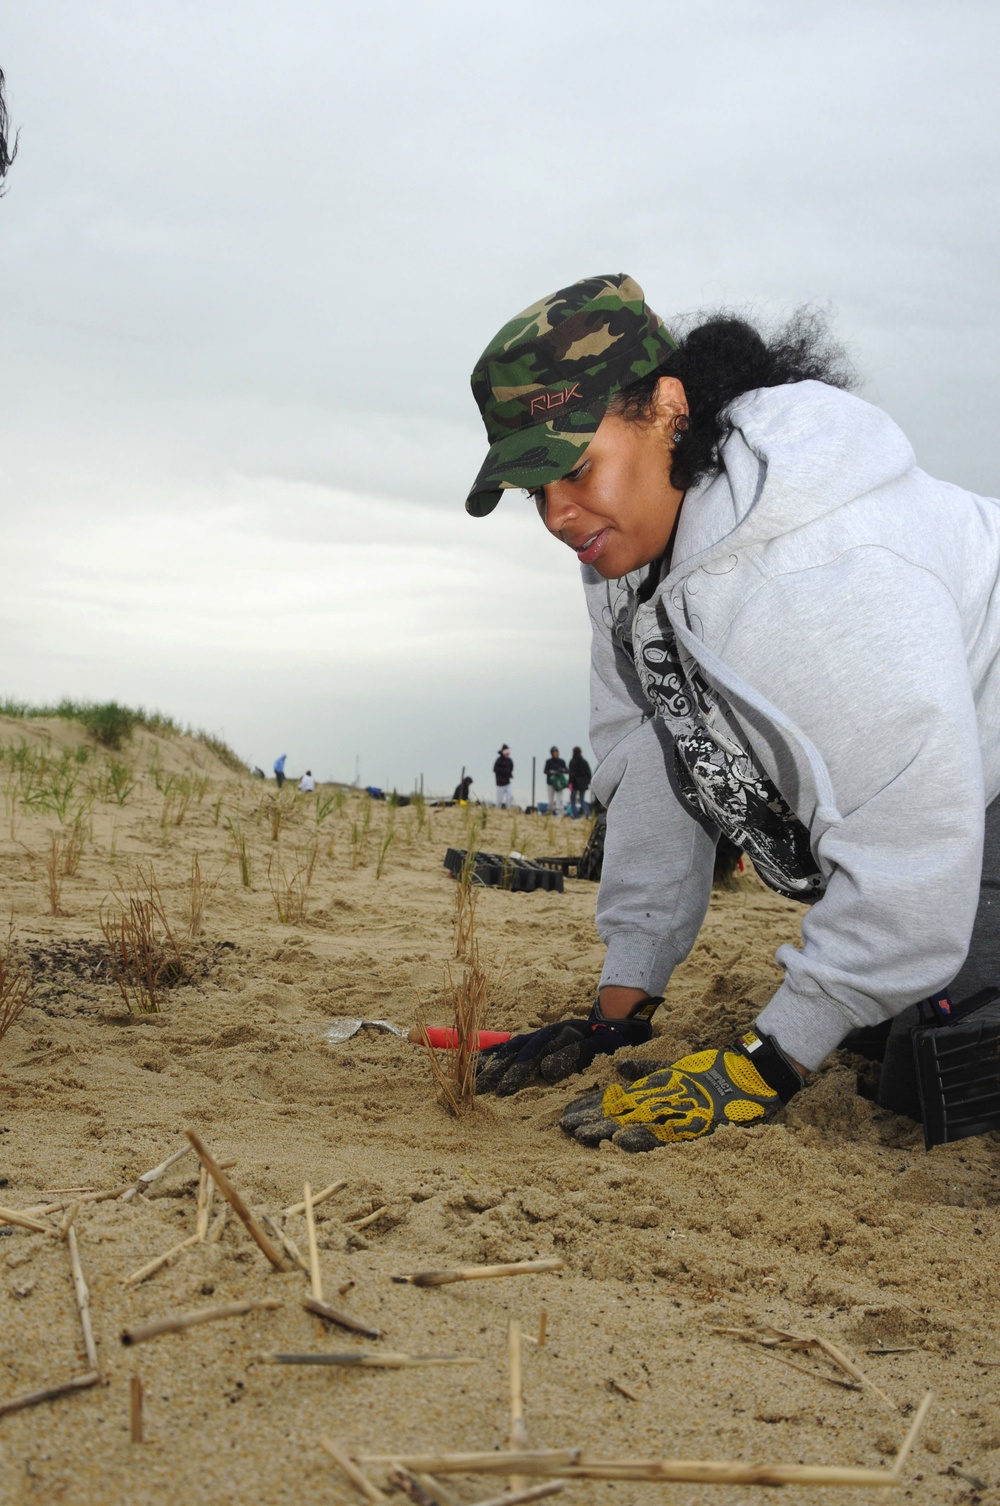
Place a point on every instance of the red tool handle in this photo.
(445, 1037)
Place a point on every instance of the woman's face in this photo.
(617, 509)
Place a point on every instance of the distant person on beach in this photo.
(579, 782)
(279, 770)
(796, 646)
(307, 783)
(462, 788)
(556, 779)
(503, 772)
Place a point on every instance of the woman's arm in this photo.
(658, 858)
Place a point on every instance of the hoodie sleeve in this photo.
(658, 858)
(870, 669)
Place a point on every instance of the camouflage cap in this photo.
(544, 382)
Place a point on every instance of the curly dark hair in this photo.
(718, 360)
(7, 154)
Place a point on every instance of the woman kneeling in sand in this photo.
(796, 644)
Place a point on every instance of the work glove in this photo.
(557, 1051)
(743, 1083)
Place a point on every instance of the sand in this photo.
(831, 1220)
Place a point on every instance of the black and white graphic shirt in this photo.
(722, 783)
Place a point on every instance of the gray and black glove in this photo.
(557, 1051)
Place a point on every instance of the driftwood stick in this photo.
(286, 1241)
(82, 1301)
(24, 1221)
(48, 1393)
(167, 1258)
(135, 1409)
(364, 1359)
(481, 1272)
(518, 1428)
(336, 1315)
(315, 1279)
(543, 1323)
(320, 1197)
(176, 1322)
(237, 1204)
(354, 1474)
(149, 1177)
(530, 1493)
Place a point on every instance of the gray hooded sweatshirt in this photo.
(843, 610)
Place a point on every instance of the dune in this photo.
(831, 1221)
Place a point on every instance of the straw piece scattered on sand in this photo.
(370, 1218)
(362, 1358)
(401, 1479)
(572, 1464)
(167, 1258)
(83, 1197)
(25, 1221)
(622, 1389)
(69, 1219)
(336, 1315)
(320, 1197)
(205, 1188)
(215, 1232)
(135, 1409)
(481, 1272)
(48, 1393)
(518, 1436)
(82, 1301)
(149, 1177)
(177, 1322)
(315, 1279)
(286, 1241)
(531, 1493)
(772, 1339)
(239, 1207)
(354, 1474)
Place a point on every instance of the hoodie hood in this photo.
(794, 454)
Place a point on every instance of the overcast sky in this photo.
(249, 254)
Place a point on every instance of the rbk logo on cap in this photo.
(544, 383)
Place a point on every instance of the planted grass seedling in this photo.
(199, 888)
(290, 889)
(15, 988)
(145, 955)
(243, 851)
(359, 835)
(385, 842)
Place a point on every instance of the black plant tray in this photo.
(497, 872)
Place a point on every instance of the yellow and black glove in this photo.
(743, 1083)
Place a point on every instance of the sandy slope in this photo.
(831, 1220)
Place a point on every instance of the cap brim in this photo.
(527, 459)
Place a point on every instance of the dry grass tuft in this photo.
(454, 1072)
(290, 889)
(15, 988)
(145, 955)
(199, 888)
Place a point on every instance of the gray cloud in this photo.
(241, 242)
